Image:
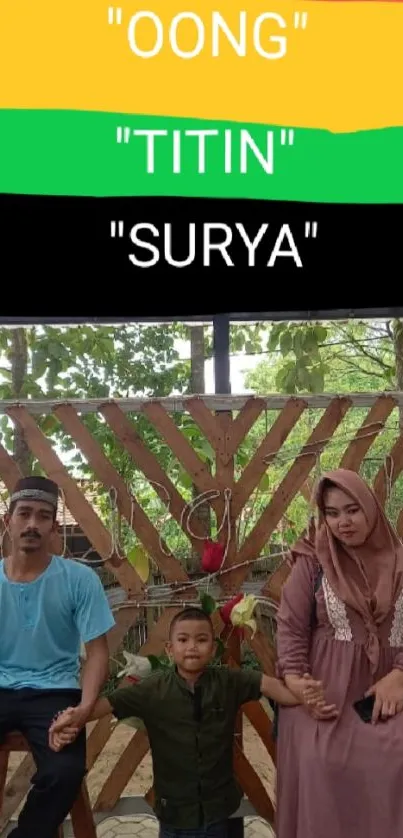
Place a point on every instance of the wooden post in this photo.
(222, 377)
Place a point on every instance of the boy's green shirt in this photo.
(191, 737)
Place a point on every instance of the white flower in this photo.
(137, 666)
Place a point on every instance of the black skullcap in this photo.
(36, 488)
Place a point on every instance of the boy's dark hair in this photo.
(191, 613)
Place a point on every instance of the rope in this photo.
(330, 439)
(114, 532)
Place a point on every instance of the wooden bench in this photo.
(81, 814)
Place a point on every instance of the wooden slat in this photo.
(16, 789)
(75, 500)
(122, 771)
(9, 471)
(149, 465)
(273, 441)
(399, 524)
(97, 738)
(82, 818)
(366, 435)
(124, 619)
(290, 485)
(393, 466)
(306, 490)
(225, 480)
(273, 587)
(260, 721)
(206, 421)
(264, 651)
(184, 452)
(252, 786)
(242, 424)
(4, 757)
(127, 504)
(178, 404)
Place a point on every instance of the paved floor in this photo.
(146, 827)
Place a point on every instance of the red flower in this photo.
(225, 610)
(213, 555)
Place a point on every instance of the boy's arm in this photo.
(250, 685)
(274, 689)
(122, 703)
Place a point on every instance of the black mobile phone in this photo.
(364, 708)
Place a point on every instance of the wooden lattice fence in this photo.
(292, 438)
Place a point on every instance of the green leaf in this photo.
(49, 424)
(309, 340)
(184, 480)
(298, 343)
(317, 380)
(321, 333)
(220, 648)
(204, 448)
(139, 560)
(265, 483)
(154, 661)
(274, 336)
(286, 343)
(238, 339)
(290, 381)
(303, 377)
(208, 604)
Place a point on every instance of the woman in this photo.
(341, 618)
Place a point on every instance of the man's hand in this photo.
(388, 694)
(66, 726)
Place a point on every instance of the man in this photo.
(48, 606)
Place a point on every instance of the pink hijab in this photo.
(367, 578)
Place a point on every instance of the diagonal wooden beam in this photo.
(184, 452)
(122, 771)
(389, 471)
(9, 471)
(127, 504)
(149, 465)
(274, 584)
(252, 785)
(270, 446)
(206, 422)
(290, 485)
(366, 435)
(242, 424)
(260, 721)
(75, 500)
(225, 478)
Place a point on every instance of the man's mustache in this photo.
(30, 534)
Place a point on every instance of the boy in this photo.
(189, 712)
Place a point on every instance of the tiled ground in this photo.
(145, 827)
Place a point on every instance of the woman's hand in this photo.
(388, 694)
(310, 693)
